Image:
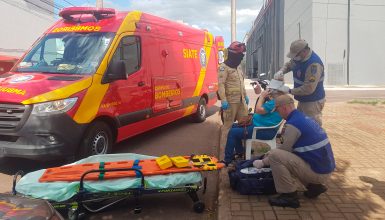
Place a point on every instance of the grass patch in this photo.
(367, 101)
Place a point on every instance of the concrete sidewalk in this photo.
(357, 187)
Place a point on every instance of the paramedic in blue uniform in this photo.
(305, 154)
(308, 76)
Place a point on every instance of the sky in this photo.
(213, 15)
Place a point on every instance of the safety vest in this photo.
(299, 70)
(313, 145)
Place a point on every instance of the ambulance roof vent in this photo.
(71, 13)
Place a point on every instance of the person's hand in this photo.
(279, 76)
(257, 88)
(225, 105)
(247, 100)
(258, 164)
(284, 89)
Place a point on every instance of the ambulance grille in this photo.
(11, 115)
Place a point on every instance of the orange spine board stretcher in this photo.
(148, 167)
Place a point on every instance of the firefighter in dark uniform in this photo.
(231, 89)
(308, 76)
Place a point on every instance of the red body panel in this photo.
(178, 68)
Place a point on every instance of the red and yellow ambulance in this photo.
(98, 76)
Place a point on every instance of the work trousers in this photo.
(286, 167)
(234, 140)
(235, 111)
(312, 109)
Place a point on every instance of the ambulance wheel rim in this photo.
(200, 114)
(100, 143)
(202, 111)
(98, 139)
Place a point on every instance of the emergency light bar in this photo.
(98, 13)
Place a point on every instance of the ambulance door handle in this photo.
(141, 83)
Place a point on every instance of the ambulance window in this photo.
(129, 52)
(53, 50)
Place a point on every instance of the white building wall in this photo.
(330, 38)
(324, 24)
(367, 47)
(297, 24)
(22, 23)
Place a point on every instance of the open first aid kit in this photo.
(248, 180)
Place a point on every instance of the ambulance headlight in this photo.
(54, 107)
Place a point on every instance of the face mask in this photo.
(297, 58)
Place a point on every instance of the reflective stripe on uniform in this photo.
(312, 147)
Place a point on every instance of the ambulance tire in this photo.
(97, 140)
(201, 113)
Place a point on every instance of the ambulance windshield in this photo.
(67, 53)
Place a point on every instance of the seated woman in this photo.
(264, 116)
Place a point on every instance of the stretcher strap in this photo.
(136, 166)
(102, 172)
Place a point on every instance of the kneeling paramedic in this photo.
(305, 153)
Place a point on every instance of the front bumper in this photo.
(43, 137)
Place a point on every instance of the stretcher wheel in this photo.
(199, 207)
(137, 210)
(74, 214)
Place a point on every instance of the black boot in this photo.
(285, 200)
(314, 190)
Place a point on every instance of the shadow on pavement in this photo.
(10, 166)
(348, 198)
(377, 186)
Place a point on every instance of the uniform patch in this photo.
(222, 68)
(313, 69)
(312, 79)
(298, 73)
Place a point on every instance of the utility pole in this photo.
(233, 21)
(99, 3)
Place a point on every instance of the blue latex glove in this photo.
(225, 105)
(247, 100)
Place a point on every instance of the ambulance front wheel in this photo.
(199, 207)
(97, 140)
(201, 113)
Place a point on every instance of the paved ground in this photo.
(357, 187)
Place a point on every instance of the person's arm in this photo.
(289, 136)
(287, 67)
(312, 77)
(243, 82)
(279, 75)
(222, 76)
(259, 107)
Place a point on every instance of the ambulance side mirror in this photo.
(115, 71)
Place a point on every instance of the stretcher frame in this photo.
(78, 206)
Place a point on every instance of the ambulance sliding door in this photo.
(166, 78)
